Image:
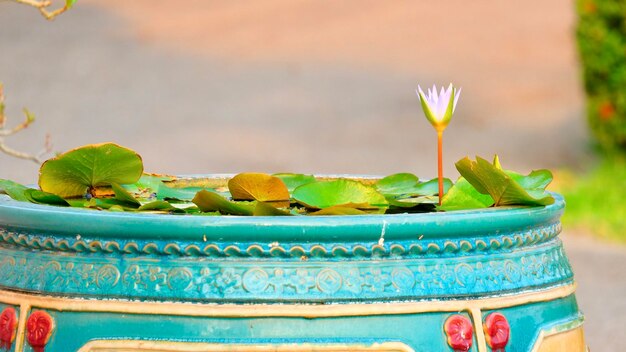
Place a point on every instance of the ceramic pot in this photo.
(484, 280)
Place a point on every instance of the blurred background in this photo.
(328, 87)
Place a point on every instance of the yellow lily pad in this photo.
(258, 186)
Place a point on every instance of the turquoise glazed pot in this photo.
(484, 280)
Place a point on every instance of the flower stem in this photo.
(440, 163)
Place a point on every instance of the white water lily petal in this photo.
(457, 94)
(419, 92)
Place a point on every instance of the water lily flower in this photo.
(439, 108)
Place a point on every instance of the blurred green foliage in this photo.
(601, 37)
(596, 201)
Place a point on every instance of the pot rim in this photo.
(36, 218)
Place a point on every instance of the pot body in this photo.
(83, 280)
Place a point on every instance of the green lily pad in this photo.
(413, 201)
(24, 194)
(503, 189)
(463, 196)
(431, 187)
(124, 196)
(81, 170)
(209, 201)
(148, 184)
(266, 209)
(257, 186)
(160, 206)
(406, 185)
(339, 210)
(166, 192)
(418, 194)
(293, 181)
(536, 180)
(41, 197)
(116, 208)
(325, 194)
(194, 210)
(14, 190)
(397, 184)
(107, 203)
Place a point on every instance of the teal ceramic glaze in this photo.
(342, 283)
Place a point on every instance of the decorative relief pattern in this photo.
(417, 247)
(210, 279)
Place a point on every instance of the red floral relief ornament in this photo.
(8, 328)
(497, 331)
(460, 333)
(39, 329)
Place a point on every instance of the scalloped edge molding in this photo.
(505, 241)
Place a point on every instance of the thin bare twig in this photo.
(20, 155)
(43, 5)
(29, 119)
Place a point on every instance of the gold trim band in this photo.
(280, 310)
(166, 346)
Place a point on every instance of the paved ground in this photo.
(599, 271)
(311, 86)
